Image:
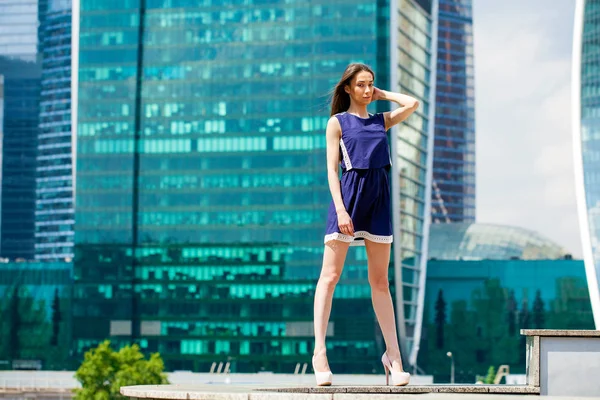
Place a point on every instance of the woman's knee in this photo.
(329, 279)
(379, 283)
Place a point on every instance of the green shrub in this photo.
(104, 371)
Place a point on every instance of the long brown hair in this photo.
(340, 100)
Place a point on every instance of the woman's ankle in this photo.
(393, 355)
(319, 350)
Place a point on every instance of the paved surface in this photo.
(34, 395)
(52, 380)
(255, 392)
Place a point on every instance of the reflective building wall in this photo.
(54, 215)
(1, 136)
(201, 183)
(18, 64)
(19, 28)
(453, 195)
(35, 301)
(586, 139)
(475, 309)
(21, 110)
(413, 49)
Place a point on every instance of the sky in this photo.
(524, 160)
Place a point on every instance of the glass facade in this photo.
(465, 241)
(1, 137)
(412, 73)
(453, 191)
(19, 29)
(586, 139)
(21, 109)
(201, 183)
(54, 214)
(18, 64)
(35, 308)
(475, 309)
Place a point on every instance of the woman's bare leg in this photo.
(333, 263)
(378, 255)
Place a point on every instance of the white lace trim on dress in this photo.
(360, 234)
(345, 155)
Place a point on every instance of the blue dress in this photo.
(365, 181)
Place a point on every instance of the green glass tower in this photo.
(201, 189)
(476, 308)
(35, 307)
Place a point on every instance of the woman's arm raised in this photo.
(408, 105)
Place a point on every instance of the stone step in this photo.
(457, 388)
(252, 392)
(563, 362)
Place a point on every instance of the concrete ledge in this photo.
(556, 333)
(563, 362)
(209, 392)
(517, 389)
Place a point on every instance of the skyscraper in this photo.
(453, 194)
(586, 140)
(1, 134)
(201, 185)
(19, 33)
(413, 41)
(21, 70)
(54, 215)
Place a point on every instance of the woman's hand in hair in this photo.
(378, 94)
(408, 105)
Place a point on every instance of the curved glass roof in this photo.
(476, 241)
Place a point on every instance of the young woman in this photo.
(359, 213)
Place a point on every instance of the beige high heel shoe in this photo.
(398, 378)
(323, 378)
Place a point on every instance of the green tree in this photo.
(491, 375)
(489, 378)
(489, 304)
(508, 344)
(440, 319)
(539, 314)
(24, 326)
(571, 309)
(524, 322)
(15, 325)
(104, 371)
(460, 335)
(56, 319)
(34, 327)
(511, 308)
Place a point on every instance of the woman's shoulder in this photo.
(337, 118)
(334, 122)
